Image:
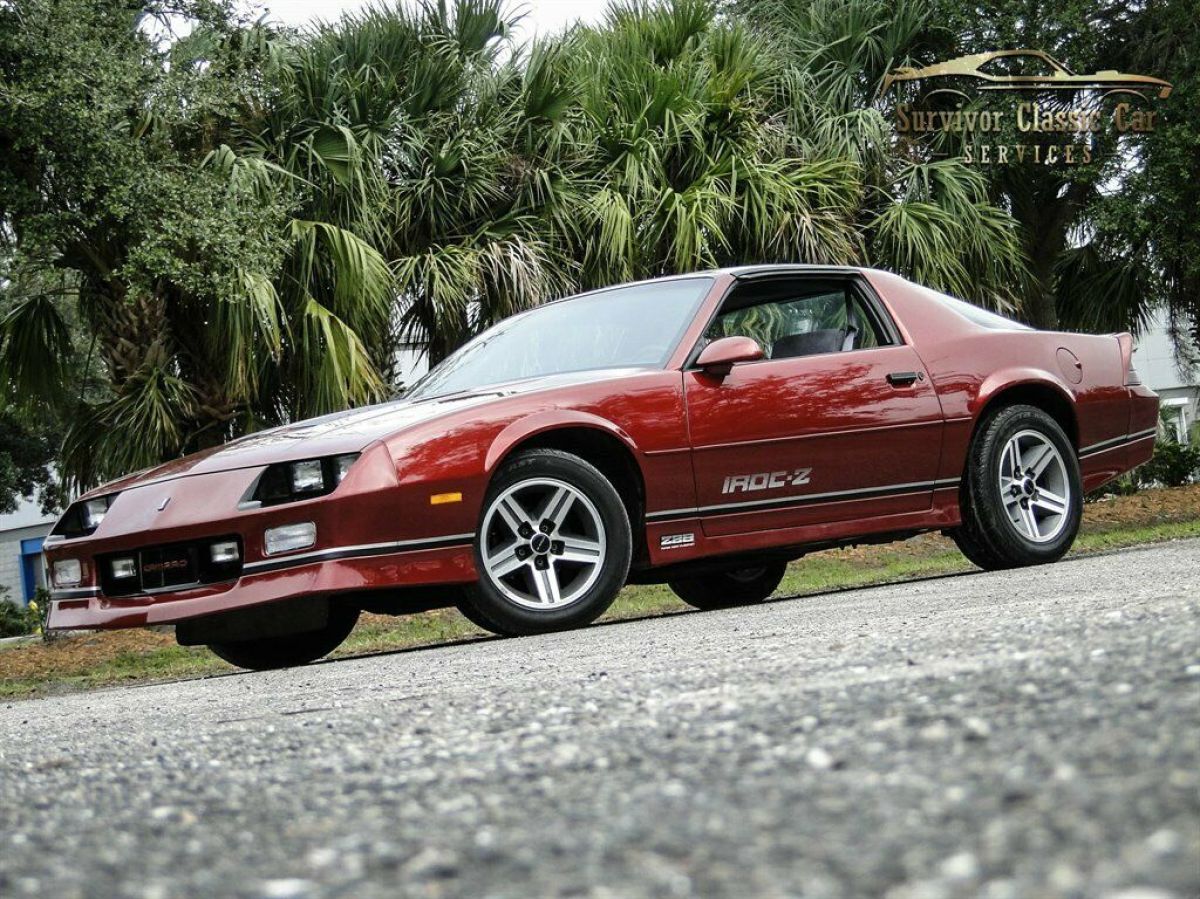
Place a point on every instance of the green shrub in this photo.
(1126, 485)
(39, 608)
(1173, 464)
(16, 621)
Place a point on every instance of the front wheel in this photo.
(553, 547)
(263, 653)
(726, 589)
(1022, 498)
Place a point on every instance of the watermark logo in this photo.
(1051, 115)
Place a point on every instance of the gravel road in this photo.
(1027, 733)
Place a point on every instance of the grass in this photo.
(89, 661)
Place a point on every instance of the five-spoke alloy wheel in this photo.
(553, 546)
(1034, 486)
(1022, 497)
(543, 543)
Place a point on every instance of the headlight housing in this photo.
(286, 482)
(83, 517)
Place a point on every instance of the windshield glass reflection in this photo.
(633, 326)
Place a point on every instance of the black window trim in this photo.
(872, 305)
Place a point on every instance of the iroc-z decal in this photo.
(766, 480)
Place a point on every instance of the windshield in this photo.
(638, 325)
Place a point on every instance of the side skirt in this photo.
(672, 543)
(717, 564)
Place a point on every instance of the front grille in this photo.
(171, 566)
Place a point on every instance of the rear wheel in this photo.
(1023, 497)
(726, 589)
(263, 653)
(553, 547)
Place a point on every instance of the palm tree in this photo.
(493, 177)
(929, 218)
(303, 201)
(407, 129)
(685, 117)
(207, 307)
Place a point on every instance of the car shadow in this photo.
(610, 622)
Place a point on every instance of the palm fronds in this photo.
(35, 351)
(408, 173)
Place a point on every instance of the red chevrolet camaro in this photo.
(700, 430)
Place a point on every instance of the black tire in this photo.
(490, 602)
(264, 653)
(989, 536)
(466, 607)
(726, 589)
(977, 554)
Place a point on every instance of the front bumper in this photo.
(444, 564)
(366, 539)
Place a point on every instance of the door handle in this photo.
(904, 378)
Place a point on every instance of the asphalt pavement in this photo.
(1027, 733)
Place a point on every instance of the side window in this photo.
(799, 319)
(1020, 65)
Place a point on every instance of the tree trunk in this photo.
(1041, 306)
(1046, 207)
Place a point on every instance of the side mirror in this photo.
(719, 357)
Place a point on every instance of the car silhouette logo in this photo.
(1026, 70)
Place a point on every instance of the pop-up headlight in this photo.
(341, 465)
(94, 511)
(286, 482)
(308, 476)
(83, 518)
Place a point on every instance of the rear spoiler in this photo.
(1125, 340)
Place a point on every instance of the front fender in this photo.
(522, 429)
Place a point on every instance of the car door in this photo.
(839, 422)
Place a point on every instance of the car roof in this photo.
(740, 272)
(746, 272)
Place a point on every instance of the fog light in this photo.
(122, 568)
(224, 552)
(67, 573)
(290, 537)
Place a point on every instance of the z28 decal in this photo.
(676, 541)
(766, 480)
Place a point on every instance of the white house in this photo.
(1174, 376)
(21, 536)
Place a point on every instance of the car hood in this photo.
(346, 432)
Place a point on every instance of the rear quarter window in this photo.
(979, 316)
